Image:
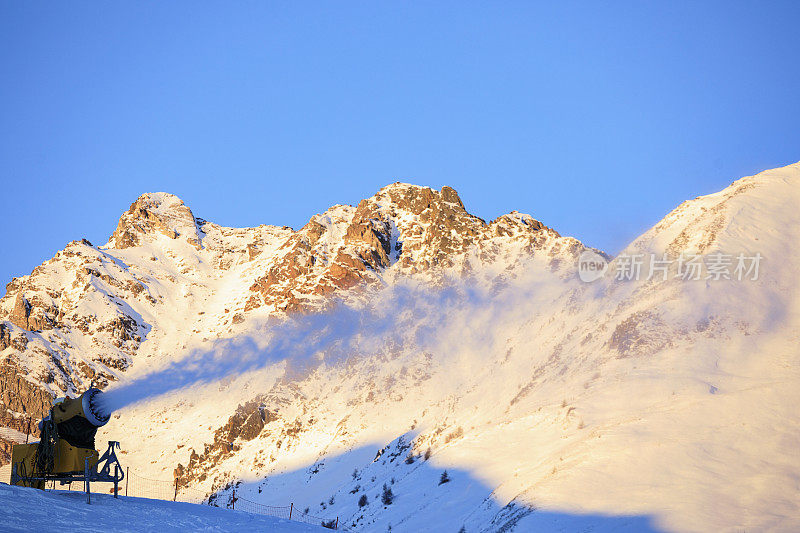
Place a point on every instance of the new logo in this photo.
(591, 266)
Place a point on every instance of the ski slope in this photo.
(27, 510)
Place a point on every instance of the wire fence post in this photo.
(127, 475)
(86, 481)
(291, 508)
(233, 500)
(175, 497)
(336, 526)
(116, 481)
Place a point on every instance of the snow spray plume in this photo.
(298, 339)
(404, 315)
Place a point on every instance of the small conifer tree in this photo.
(388, 496)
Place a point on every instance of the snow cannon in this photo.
(66, 448)
(75, 413)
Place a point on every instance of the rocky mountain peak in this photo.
(415, 198)
(518, 222)
(156, 213)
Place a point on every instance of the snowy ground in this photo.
(23, 509)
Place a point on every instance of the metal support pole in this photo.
(233, 500)
(86, 481)
(127, 475)
(116, 481)
(336, 526)
(291, 508)
(175, 497)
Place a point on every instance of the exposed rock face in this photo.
(5, 337)
(36, 315)
(74, 290)
(245, 425)
(81, 317)
(21, 312)
(434, 228)
(23, 404)
(155, 213)
(414, 230)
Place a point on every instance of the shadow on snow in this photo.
(350, 486)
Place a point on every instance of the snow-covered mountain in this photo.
(423, 339)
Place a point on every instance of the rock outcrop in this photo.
(155, 213)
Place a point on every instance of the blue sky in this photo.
(597, 118)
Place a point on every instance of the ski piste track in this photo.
(136, 486)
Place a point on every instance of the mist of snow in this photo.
(453, 320)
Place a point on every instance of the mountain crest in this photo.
(415, 198)
(156, 213)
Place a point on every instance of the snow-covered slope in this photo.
(422, 339)
(26, 510)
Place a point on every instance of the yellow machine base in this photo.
(68, 459)
(22, 456)
(71, 459)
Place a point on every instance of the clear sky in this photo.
(597, 118)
